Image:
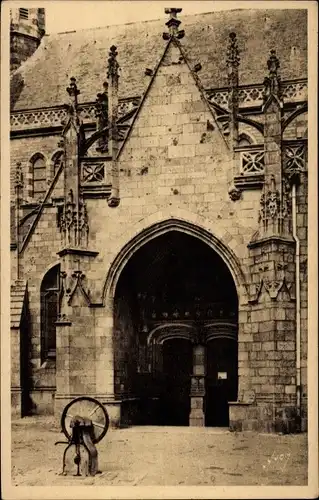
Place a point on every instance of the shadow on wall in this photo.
(16, 87)
(27, 405)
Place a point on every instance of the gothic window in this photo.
(50, 293)
(24, 13)
(39, 178)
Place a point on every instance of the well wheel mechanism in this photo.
(84, 422)
(86, 407)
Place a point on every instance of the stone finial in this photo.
(232, 60)
(272, 81)
(18, 181)
(173, 24)
(113, 65)
(73, 90)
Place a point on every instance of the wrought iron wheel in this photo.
(86, 407)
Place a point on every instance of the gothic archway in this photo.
(161, 222)
(173, 294)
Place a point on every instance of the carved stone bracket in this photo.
(272, 280)
(73, 282)
(234, 193)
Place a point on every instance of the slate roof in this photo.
(42, 80)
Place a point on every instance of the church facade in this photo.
(159, 219)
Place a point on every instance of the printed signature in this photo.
(277, 461)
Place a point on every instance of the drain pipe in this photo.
(298, 322)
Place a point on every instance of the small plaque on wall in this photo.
(222, 375)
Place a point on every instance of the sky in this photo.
(83, 14)
(70, 15)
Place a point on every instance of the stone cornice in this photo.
(49, 119)
(272, 239)
(32, 120)
(77, 251)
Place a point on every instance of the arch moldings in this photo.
(169, 331)
(160, 223)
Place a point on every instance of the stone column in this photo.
(271, 322)
(104, 361)
(197, 415)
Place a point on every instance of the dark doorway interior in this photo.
(174, 283)
(175, 393)
(221, 380)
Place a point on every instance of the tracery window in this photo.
(50, 294)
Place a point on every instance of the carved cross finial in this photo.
(272, 82)
(173, 24)
(73, 91)
(113, 65)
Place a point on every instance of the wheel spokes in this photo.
(94, 410)
(86, 407)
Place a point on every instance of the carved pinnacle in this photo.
(113, 65)
(233, 58)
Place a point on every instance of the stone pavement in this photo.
(162, 456)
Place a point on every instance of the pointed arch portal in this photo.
(175, 332)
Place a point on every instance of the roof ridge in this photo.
(182, 17)
(164, 18)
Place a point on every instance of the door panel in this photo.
(221, 380)
(177, 369)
